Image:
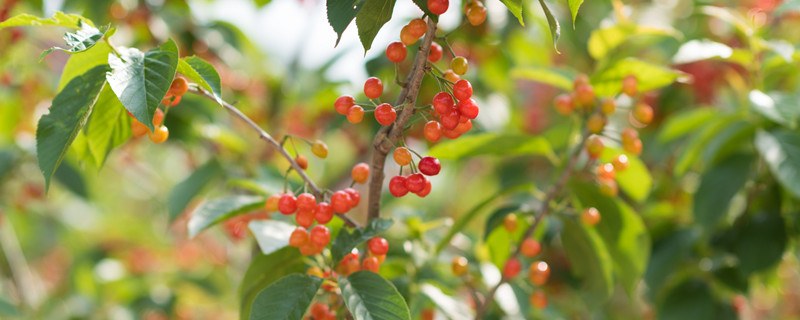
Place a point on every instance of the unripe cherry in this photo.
(299, 237)
(564, 104)
(158, 117)
(630, 85)
(429, 166)
(320, 235)
(402, 156)
(538, 299)
(539, 273)
(584, 94)
(323, 213)
(628, 135)
(459, 65)
(319, 311)
(634, 147)
(476, 14)
(371, 264)
(378, 246)
(417, 27)
(319, 149)
(436, 53)
(355, 197)
(426, 190)
(385, 114)
(178, 87)
(512, 268)
(138, 129)
(468, 108)
(608, 106)
(396, 52)
(397, 186)
(272, 203)
(406, 37)
(302, 162)
(580, 80)
(590, 216)
(433, 130)
(340, 201)
(510, 222)
(415, 182)
(310, 249)
(161, 135)
(438, 6)
(356, 114)
(343, 104)
(450, 119)
(306, 201)
(596, 123)
(643, 113)
(373, 88)
(608, 187)
(443, 102)
(287, 204)
(530, 247)
(605, 171)
(594, 146)
(360, 172)
(459, 266)
(620, 162)
(451, 76)
(304, 218)
(462, 90)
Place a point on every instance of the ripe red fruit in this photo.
(373, 88)
(539, 272)
(530, 247)
(320, 235)
(323, 213)
(564, 104)
(402, 156)
(584, 94)
(355, 197)
(319, 310)
(360, 172)
(429, 166)
(630, 85)
(468, 108)
(178, 87)
(443, 103)
(397, 186)
(436, 53)
(462, 90)
(415, 182)
(385, 114)
(512, 268)
(299, 237)
(306, 201)
(378, 246)
(371, 264)
(450, 119)
(438, 6)
(272, 203)
(450, 134)
(396, 52)
(463, 127)
(476, 14)
(590, 216)
(287, 204)
(302, 162)
(340, 201)
(343, 104)
(417, 27)
(304, 218)
(433, 131)
(356, 114)
(426, 190)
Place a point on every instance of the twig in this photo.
(390, 134)
(319, 193)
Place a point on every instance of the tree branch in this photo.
(389, 135)
(318, 193)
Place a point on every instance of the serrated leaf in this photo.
(108, 127)
(341, 13)
(286, 299)
(590, 261)
(505, 144)
(558, 78)
(345, 241)
(608, 82)
(515, 7)
(81, 40)
(684, 123)
(141, 80)
(717, 187)
(635, 180)
(80, 63)
(68, 114)
(186, 190)
(372, 16)
(271, 235)
(781, 150)
(555, 28)
(604, 40)
(59, 19)
(574, 5)
(263, 271)
(776, 106)
(369, 296)
(202, 73)
(214, 211)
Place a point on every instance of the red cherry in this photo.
(436, 53)
(415, 182)
(320, 235)
(378, 246)
(343, 104)
(356, 114)
(564, 104)
(323, 213)
(443, 102)
(450, 119)
(512, 268)
(462, 90)
(417, 28)
(304, 218)
(438, 6)
(373, 88)
(530, 247)
(450, 134)
(433, 131)
(299, 237)
(306, 201)
(396, 52)
(468, 108)
(385, 114)
(539, 272)
(397, 186)
(429, 166)
(371, 264)
(287, 204)
(360, 172)
(425, 191)
(355, 197)
(463, 127)
(340, 201)
(584, 94)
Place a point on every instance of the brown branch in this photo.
(544, 210)
(389, 135)
(274, 143)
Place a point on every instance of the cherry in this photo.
(304, 218)
(634, 147)
(306, 201)
(310, 249)
(373, 88)
(171, 102)
(340, 200)
(343, 104)
(319, 310)
(158, 117)
(538, 299)
(530, 247)
(378, 246)
(450, 119)
(438, 6)
(287, 204)
(630, 85)
(415, 182)
(608, 106)
(628, 135)
(564, 104)
(463, 127)
(510, 222)
(459, 266)
(371, 264)
(323, 213)
(356, 114)
(584, 94)
(512, 268)
(451, 134)
(417, 27)
(429, 166)
(272, 203)
(468, 108)
(402, 156)
(433, 131)
(406, 37)
(590, 216)
(594, 146)
(426, 190)
(396, 52)
(451, 76)
(436, 53)
(319, 149)
(138, 129)
(539, 272)
(427, 314)
(385, 114)
(302, 162)
(620, 162)
(443, 102)
(580, 80)
(596, 123)
(608, 187)
(462, 90)
(476, 14)
(459, 65)
(397, 186)
(643, 113)
(320, 235)
(178, 87)
(355, 197)
(161, 135)
(360, 172)
(299, 237)
(605, 171)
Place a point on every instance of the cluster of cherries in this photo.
(178, 87)
(416, 182)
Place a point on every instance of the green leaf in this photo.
(369, 296)
(217, 210)
(608, 82)
(668, 254)
(623, 232)
(78, 64)
(202, 73)
(271, 235)
(341, 13)
(635, 181)
(589, 260)
(558, 78)
(497, 217)
(500, 144)
(263, 271)
(604, 40)
(718, 186)
(8, 159)
(515, 7)
(186, 190)
(781, 150)
(372, 16)
(574, 5)
(776, 106)
(71, 178)
(345, 241)
(7, 309)
(59, 19)
(81, 40)
(685, 122)
(68, 114)
(555, 28)
(761, 242)
(286, 299)
(109, 126)
(501, 242)
(141, 80)
(700, 141)
(688, 301)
